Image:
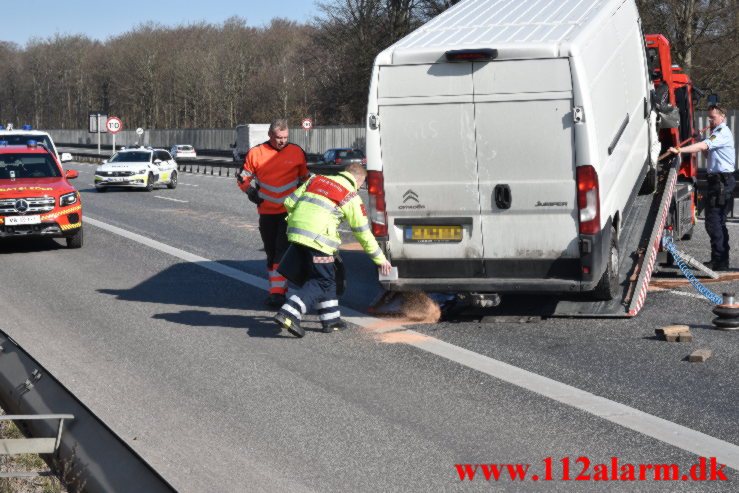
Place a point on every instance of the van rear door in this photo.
(524, 140)
(427, 138)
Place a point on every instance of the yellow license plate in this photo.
(433, 233)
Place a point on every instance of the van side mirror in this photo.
(105, 161)
(70, 173)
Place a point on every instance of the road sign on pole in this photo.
(114, 125)
(307, 124)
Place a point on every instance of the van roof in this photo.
(517, 29)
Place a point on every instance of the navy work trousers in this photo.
(718, 205)
(319, 290)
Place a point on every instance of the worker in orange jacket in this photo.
(271, 172)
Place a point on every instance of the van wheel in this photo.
(608, 287)
(172, 180)
(75, 241)
(649, 185)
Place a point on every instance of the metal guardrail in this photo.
(100, 459)
(214, 167)
(12, 446)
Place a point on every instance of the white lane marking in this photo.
(170, 198)
(183, 255)
(666, 431)
(187, 184)
(683, 293)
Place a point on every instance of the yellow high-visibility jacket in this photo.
(316, 209)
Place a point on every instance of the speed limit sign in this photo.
(114, 125)
(307, 124)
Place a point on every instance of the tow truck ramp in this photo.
(639, 242)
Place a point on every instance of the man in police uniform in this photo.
(272, 171)
(721, 182)
(315, 211)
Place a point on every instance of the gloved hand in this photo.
(253, 194)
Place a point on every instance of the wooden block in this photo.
(700, 355)
(671, 329)
(671, 337)
(685, 337)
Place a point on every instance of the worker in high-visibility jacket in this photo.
(271, 172)
(315, 211)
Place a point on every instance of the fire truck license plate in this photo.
(18, 220)
(433, 233)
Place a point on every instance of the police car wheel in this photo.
(75, 241)
(150, 182)
(172, 181)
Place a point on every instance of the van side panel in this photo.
(614, 63)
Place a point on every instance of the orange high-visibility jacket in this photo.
(276, 173)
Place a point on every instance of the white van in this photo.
(505, 140)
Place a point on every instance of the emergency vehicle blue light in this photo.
(27, 127)
(3, 142)
(2, 128)
(31, 143)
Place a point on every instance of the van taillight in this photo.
(588, 200)
(337, 160)
(376, 191)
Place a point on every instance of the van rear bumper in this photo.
(485, 285)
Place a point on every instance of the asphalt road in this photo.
(184, 364)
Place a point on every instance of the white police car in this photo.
(140, 167)
(13, 136)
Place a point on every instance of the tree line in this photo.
(219, 75)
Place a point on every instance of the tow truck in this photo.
(36, 198)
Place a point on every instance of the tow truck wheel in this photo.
(608, 287)
(172, 181)
(75, 241)
(150, 182)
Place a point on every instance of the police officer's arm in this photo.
(356, 217)
(697, 147)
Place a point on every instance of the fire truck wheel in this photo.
(608, 287)
(172, 181)
(75, 241)
(150, 182)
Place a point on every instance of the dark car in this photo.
(342, 157)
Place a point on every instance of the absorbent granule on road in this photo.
(418, 307)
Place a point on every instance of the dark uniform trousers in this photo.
(718, 205)
(273, 229)
(319, 290)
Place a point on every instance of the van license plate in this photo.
(20, 220)
(433, 233)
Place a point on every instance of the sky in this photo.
(101, 19)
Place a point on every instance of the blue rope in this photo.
(710, 295)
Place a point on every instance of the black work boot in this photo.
(288, 323)
(276, 300)
(334, 326)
